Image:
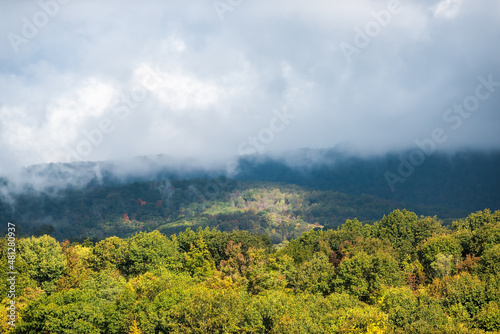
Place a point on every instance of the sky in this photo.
(213, 80)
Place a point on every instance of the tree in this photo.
(489, 264)
(363, 275)
(107, 253)
(77, 269)
(426, 227)
(44, 258)
(441, 246)
(146, 251)
(443, 265)
(73, 311)
(466, 290)
(198, 261)
(400, 304)
(313, 276)
(489, 318)
(477, 220)
(399, 228)
(484, 238)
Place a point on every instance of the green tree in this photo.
(146, 251)
(440, 246)
(73, 311)
(313, 276)
(44, 258)
(198, 261)
(399, 228)
(477, 220)
(489, 264)
(107, 253)
(426, 227)
(215, 311)
(400, 304)
(484, 238)
(364, 275)
(488, 318)
(466, 290)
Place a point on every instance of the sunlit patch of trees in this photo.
(280, 211)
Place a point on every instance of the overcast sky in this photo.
(97, 80)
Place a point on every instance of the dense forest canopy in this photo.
(401, 274)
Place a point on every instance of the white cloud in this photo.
(178, 91)
(447, 9)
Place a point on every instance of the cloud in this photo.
(447, 8)
(218, 83)
(180, 91)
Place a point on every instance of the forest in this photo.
(401, 274)
(267, 195)
(279, 210)
(266, 167)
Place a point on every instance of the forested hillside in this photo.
(325, 187)
(467, 180)
(401, 274)
(277, 210)
(267, 167)
(162, 254)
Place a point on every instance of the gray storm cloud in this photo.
(90, 81)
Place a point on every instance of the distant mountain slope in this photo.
(281, 197)
(466, 180)
(278, 210)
